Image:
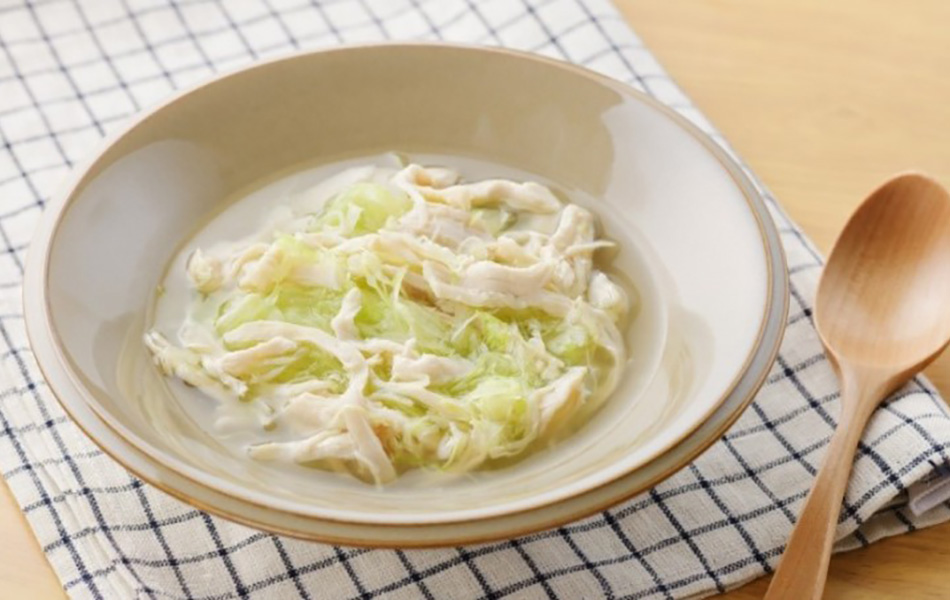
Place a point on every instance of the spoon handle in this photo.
(804, 565)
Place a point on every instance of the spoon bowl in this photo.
(883, 313)
(884, 297)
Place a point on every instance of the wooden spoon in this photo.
(883, 314)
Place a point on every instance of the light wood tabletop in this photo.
(824, 100)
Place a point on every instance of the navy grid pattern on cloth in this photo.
(72, 71)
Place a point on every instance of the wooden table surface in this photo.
(824, 100)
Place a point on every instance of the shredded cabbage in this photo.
(420, 323)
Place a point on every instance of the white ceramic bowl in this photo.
(695, 238)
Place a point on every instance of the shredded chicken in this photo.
(342, 324)
(434, 369)
(205, 272)
(530, 196)
(417, 320)
(556, 396)
(517, 281)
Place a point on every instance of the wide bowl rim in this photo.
(775, 303)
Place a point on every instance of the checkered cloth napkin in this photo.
(72, 71)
